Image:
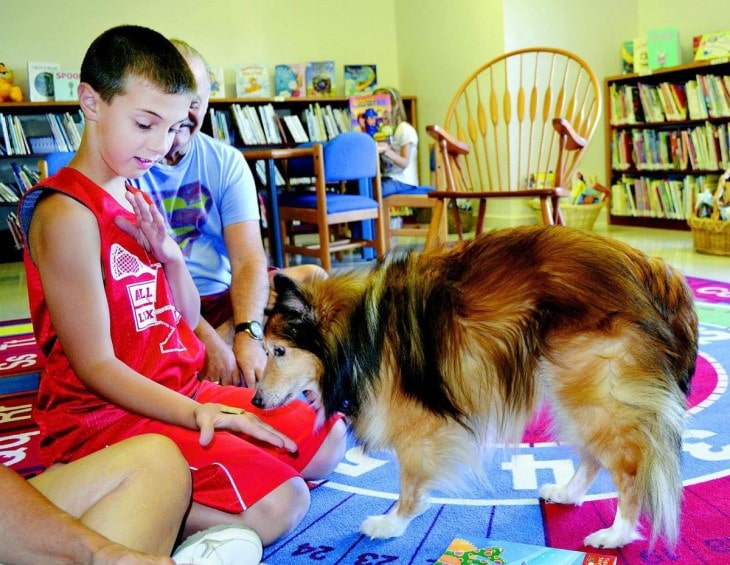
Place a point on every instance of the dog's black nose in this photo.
(257, 401)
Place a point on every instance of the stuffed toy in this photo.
(9, 92)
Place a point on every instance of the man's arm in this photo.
(249, 294)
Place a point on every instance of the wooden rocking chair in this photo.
(517, 127)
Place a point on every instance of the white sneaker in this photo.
(227, 544)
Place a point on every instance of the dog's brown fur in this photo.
(435, 354)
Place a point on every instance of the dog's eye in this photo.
(279, 351)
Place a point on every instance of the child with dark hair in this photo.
(113, 304)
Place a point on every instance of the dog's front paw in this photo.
(617, 535)
(558, 494)
(383, 526)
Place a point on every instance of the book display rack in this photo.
(667, 139)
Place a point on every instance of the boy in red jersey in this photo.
(113, 304)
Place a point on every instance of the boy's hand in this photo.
(211, 417)
(150, 229)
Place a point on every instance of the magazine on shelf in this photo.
(40, 81)
(289, 80)
(320, 78)
(217, 83)
(65, 85)
(360, 79)
(252, 81)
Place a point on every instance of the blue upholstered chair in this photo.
(349, 158)
(52, 162)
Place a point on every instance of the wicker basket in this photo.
(581, 216)
(712, 235)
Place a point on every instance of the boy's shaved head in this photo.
(135, 50)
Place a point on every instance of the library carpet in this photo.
(508, 508)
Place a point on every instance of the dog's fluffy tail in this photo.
(659, 476)
(673, 298)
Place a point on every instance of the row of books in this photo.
(24, 178)
(701, 148)
(262, 125)
(316, 78)
(706, 96)
(40, 134)
(669, 198)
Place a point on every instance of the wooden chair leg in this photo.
(284, 238)
(438, 228)
(324, 248)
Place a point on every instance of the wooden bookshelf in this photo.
(290, 106)
(34, 115)
(665, 141)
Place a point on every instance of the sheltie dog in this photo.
(433, 355)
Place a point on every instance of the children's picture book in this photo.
(371, 113)
(252, 81)
(65, 85)
(289, 80)
(360, 79)
(713, 46)
(40, 81)
(320, 78)
(217, 83)
(641, 56)
(663, 48)
(485, 550)
(627, 57)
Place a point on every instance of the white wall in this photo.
(226, 32)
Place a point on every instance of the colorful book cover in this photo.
(360, 79)
(713, 46)
(663, 48)
(627, 57)
(40, 81)
(217, 83)
(320, 78)
(65, 85)
(371, 113)
(252, 81)
(641, 56)
(485, 550)
(289, 80)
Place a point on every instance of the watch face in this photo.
(256, 330)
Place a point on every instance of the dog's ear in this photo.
(289, 297)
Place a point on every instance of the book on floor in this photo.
(485, 550)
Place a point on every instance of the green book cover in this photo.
(663, 48)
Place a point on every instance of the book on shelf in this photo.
(663, 48)
(40, 80)
(8, 193)
(627, 57)
(641, 56)
(217, 83)
(371, 113)
(65, 85)
(712, 46)
(252, 81)
(289, 80)
(485, 550)
(320, 78)
(360, 79)
(296, 128)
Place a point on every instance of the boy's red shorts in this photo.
(234, 471)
